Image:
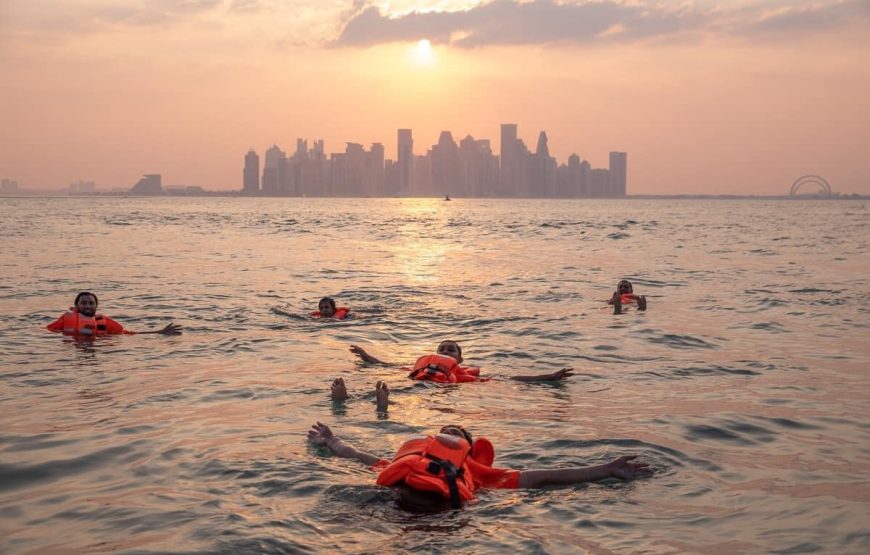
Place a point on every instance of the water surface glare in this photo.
(744, 384)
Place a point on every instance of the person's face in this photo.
(87, 305)
(326, 310)
(450, 349)
(624, 287)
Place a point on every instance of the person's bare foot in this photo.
(382, 396)
(641, 302)
(338, 390)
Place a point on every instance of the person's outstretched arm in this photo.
(170, 329)
(620, 468)
(320, 434)
(367, 358)
(555, 376)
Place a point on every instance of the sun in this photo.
(422, 53)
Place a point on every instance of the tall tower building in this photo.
(405, 158)
(543, 170)
(618, 171)
(251, 174)
(508, 161)
(272, 170)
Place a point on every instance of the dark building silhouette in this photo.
(467, 169)
(272, 170)
(542, 171)
(148, 185)
(251, 173)
(509, 167)
(405, 158)
(478, 167)
(446, 169)
(618, 169)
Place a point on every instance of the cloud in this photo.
(505, 22)
(154, 12)
(807, 18)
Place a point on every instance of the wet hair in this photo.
(458, 348)
(625, 281)
(465, 433)
(329, 300)
(83, 294)
(421, 501)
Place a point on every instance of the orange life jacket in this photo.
(340, 313)
(77, 323)
(436, 463)
(443, 369)
(628, 298)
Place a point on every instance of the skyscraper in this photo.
(543, 170)
(251, 173)
(618, 174)
(405, 157)
(508, 162)
(272, 170)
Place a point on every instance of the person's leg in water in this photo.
(338, 392)
(382, 396)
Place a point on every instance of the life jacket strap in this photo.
(451, 473)
(429, 370)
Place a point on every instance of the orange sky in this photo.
(709, 97)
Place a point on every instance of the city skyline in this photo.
(467, 168)
(708, 97)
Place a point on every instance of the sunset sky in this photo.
(706, 96)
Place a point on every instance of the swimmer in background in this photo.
(451, 467)
(624, 294)
(326, 309)
(445, 367)
(82, 319)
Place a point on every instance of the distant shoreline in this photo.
(238, 194)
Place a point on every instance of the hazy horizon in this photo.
(706, 97)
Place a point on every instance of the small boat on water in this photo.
(446, 197)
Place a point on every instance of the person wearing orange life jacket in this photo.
(445, 366)
(326, 309)
(624, 295)
(452, 466)
(82, 319)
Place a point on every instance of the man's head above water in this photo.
(456, 430)
(624, 287)
(451, 349)
(86, 303)
(326, 306)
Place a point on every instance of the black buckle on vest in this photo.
(451, 473)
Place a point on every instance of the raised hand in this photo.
(320, 434)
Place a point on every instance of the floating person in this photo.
(624, 295)
(82, 319)
(326, 309)
(446, 197)
(445, 367)
(451, 466)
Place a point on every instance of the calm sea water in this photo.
(744, 385)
